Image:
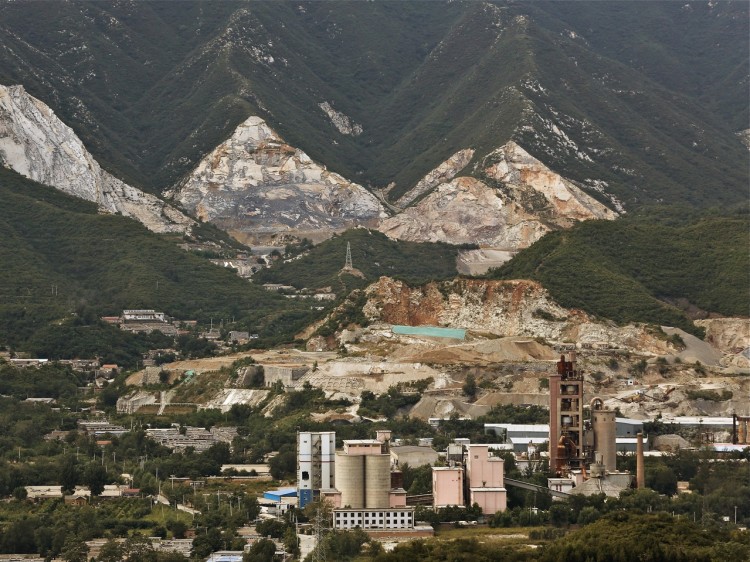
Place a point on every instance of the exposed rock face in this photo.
(466, 211)
(343, 124)
(526, 179)
(732, 336)
(36, 144)
(516, 201)
(256, 184)
(442, 174)
(505, 308)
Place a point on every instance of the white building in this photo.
(316, 454)
(386, 518)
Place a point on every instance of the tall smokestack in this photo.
(640, 473)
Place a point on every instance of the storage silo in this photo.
(350, 479)
(605, 433)
(377, 481)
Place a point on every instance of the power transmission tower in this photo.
(319, 552)
(348, 265)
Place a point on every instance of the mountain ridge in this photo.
(424, 80)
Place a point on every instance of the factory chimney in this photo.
(640, 473)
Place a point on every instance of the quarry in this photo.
(505, 336)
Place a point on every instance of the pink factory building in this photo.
(447, 486)
(481, 481)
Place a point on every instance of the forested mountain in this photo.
(663, 266)
(640, 103)
(62, 260)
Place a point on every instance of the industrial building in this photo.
(315, 464)
(477, 478)
(566, 417)
(367, 493)
(447, 486)
(485, 475)
(584, 451)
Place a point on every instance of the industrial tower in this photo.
(315, 464)
(566, 416)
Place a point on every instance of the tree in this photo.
(291, 542)
(138, 547)
(588, 515)
(111, 551)
(559, 514)
(663, 480)
(470, 386)
(95, 477)
(75, 550)
(205, 544)
(68, 473)
(344, 545)
(19, 493)
(271, 528)
(178, 528)
(283, 465)
(261, 551)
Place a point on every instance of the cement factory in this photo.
(364, 486)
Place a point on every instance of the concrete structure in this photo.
(640, 470)
(258, 469)
(627, 427)
(366, 519)
(315, 464)
(198, 438)
(604, 429)
(99, 428)
(628, 445)
(287, 374)
(365, 496)
(363, 474)
(606, 484)
(566, 416)
(43, 492)
(508, 431)
(235, 336)
(413, 455)
(564, 485)
(485, 476)
(447, 486)
(143, 315)
(521, 444)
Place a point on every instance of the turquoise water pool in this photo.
(432, 331)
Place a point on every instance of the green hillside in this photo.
(64, 265)
(646, 97)
(630, 269)
(373, 254)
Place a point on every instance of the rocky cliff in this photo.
(36, 144)
(513, 200)
(257, 186)
(731, 336)
(503, 308)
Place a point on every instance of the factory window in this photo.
(305, 475)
